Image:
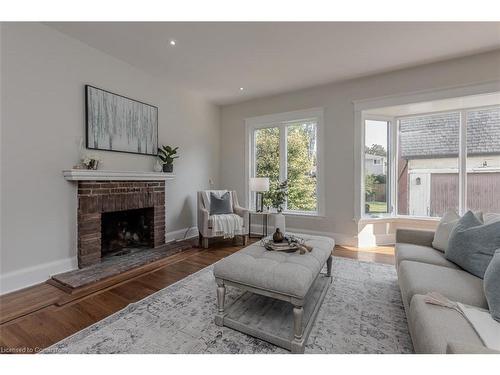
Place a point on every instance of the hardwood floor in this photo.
(37, 317)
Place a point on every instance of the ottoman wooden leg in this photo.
(221, 295)
(329, 266)
(298, 342)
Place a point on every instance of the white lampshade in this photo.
(259, 183)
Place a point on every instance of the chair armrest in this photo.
(243, 212)
(416, 237)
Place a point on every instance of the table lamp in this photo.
(259, 185)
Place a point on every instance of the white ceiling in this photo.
(216, 58)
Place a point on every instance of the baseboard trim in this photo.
(29, 276)
(184, 233)
(40, 273)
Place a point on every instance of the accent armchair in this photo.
(205, 222)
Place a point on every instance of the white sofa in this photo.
(422, 269)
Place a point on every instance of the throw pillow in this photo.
(443, 230)
(491, 286)
(472, 244)
(220, 205)
(445, 226)
(491, 218)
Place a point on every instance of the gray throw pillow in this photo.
(220, 205)
(472, 244)
(491, 286)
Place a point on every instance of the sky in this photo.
(376, 133)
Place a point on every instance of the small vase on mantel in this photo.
(157, 167)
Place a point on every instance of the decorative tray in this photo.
(290, 244)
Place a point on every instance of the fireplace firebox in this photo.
(125, 231)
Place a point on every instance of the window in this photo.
(427, 179)
(440, 161)
(376, 172)
(285, 147)
(483, 160)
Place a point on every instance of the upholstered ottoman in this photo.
(284, 291)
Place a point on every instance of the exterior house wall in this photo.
(437, 190)
(378, 168)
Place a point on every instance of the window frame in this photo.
(390, 165)
(282, 121)
(393, 148)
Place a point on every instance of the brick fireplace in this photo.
(97, 198)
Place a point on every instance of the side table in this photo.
(265, 220)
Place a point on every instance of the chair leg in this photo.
(204, 242)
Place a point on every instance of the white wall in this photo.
(337, 100)
(42, 96)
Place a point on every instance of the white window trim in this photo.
(406, 98)
(266, 121)
(391, 160)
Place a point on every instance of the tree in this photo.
(369, 186)
(376, 149)
(301, 166)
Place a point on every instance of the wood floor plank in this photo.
(32, 318)
(27, 300)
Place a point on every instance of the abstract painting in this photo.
(117, 123)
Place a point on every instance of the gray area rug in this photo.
(362, 313)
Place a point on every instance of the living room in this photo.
(269, 187)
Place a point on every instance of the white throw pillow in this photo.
(443, 230)
(491, 217)
(446, 225)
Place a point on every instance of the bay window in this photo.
(431, 162)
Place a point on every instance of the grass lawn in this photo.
(377, 207)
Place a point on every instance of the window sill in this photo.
(390, 219)
(304, 214)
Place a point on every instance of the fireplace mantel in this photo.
(102, 175)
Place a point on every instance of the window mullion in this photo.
(462, 160)
(283, 156)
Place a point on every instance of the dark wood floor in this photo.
(35, 321)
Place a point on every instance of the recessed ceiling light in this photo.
(241, 88)
(172, 42)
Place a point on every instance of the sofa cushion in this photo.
(465, 348)
(433, 327)
(423, 254)
(286, 273)
(492, 286)
(473, 243)
(443, 230)
(458, 285)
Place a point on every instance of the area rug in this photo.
(362, 313)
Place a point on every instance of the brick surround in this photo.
(98, 197)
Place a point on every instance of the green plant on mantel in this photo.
(167, 154)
